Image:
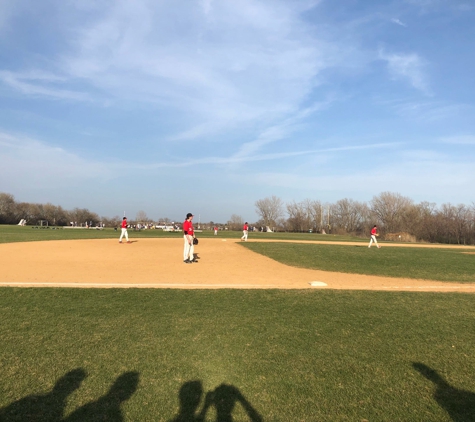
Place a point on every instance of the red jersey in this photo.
(373, 231)
(245, 227)
(188, 228)
(124, 224)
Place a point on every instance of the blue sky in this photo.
(207, 106)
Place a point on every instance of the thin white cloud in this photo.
(453, 183)
(278, 131)
(409, 67)
(38, 83)
(398, 22)
(26, 160)
(427, 111)
(459, 140)
(23, 156)
(207, 5)
(236, 159)
(225, 61)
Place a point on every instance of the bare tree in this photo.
(457, 223)
(270, 210)
(141, 217)
(349, 216)
(389, 209)
(54, 214)
(7, 208)
(235, 222)
(299, 218)
(315, 212)
(82, 216)
(111, 222)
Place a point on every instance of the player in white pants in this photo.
(188, 235)
(245, 231)
(373, 237)
(124, 231)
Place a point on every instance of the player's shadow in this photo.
(107, 407)
(45, 407)
(224, 399)
(459, 404)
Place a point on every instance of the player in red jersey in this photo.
(374, 233)
(245, 230)
(124, 231)
(188, 235)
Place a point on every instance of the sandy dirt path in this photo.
(157, 263)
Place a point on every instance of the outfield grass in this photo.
(423, 263)
(9, 234)
(293, 355)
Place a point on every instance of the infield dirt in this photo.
(158, 263)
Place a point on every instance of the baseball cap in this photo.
(189, 215)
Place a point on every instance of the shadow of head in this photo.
(225, 398)
(124, 386)
(70, 382)
(428, 372)
(190, 395)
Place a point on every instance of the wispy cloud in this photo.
(398, 22)
(459, 140)
(426, 111)
(38, 83)
(273, 156)
(224, 62)
(277, 132)
(23, 156)
(408, 67)
(26, 160)
(263, 61)
(458, 179)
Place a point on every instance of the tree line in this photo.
(395, 215)
(11, 212)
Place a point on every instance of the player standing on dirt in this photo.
(188, 235)
(123, 232)
(374, 234)
(245, 230)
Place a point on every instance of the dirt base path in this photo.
(157, 263)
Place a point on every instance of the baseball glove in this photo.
(195, 241)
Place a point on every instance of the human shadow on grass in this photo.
(45, 407)
(107, 407)
(224, 398)
(459, 404)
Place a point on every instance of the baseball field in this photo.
(287, 328)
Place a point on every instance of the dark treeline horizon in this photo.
(395, 215)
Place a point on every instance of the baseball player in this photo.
(374, 234)
(188, 235)
(245, 230)
(124, 231)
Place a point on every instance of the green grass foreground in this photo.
(87, 355)
(424, 263)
